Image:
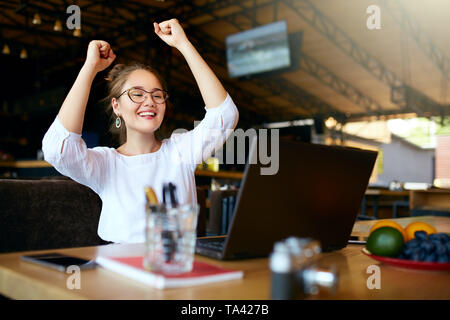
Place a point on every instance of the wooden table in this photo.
(430, 200)
(22, 280)
(376, 194)
(385, 192)
(25, 164)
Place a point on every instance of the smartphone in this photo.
(357, 241)
(59, 261)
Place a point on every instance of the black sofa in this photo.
(51, 213)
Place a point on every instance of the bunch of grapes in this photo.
(427, 248)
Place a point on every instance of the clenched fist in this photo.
(99, 55)
(171, 32)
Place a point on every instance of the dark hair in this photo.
(116, 78)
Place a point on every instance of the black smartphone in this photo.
(59, 261)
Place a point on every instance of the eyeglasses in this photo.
(138, 95)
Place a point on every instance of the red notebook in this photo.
(202, 273)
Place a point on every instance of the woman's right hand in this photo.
(99, 55)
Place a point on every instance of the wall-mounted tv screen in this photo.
(258, 50)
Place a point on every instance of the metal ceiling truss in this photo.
(424, 42)
(249, 13)
(408, 97)
(306, 10)
(327, 77)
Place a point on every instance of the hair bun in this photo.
(115, 72)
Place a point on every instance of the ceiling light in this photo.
(330, 122)
(37, 19)
(6, 49)
(77, 33)
(23, 54)
(58, 26)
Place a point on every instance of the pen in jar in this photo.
(169, 237)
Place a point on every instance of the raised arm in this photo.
(212, 91)
(71, 114)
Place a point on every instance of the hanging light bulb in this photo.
(58, 26)
(37, 19)
(6, 49)
(23, 53)
(77, 33)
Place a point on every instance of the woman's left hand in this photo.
(171, 32)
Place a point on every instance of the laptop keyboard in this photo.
(213, 244)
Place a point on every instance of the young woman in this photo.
(138, 101)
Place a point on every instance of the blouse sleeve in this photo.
(209, 135)
(67, 152)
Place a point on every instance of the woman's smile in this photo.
(148, 115)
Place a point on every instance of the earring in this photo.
(118, 122)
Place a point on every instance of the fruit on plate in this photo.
(425, 247)
(418, 226)
(389, 223)
(386, 242)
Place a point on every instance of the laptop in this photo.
(316, 193)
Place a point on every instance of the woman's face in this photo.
(147, 116)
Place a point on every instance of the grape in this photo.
(435, 241)
(440, 249)
(415, 256)
(442, 236)
(407, 252)
(402, 256)
(413, 243)
(430, 248)
(431, 257)
(420, 235)
(435, 237)
(423, 254)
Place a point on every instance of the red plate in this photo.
(410, 264)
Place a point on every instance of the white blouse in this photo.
(120, 180)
